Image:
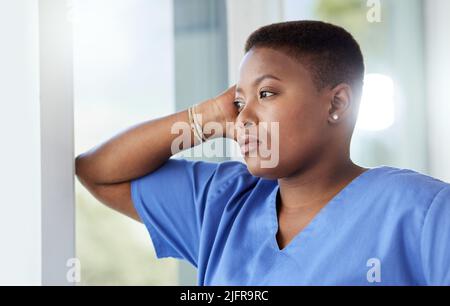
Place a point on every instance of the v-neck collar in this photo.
(318, 221)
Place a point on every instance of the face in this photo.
(275, 89)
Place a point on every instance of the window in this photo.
(389, 49)
(137, 60)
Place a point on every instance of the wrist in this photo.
(212, 118)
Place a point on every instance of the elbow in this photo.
(88, 171)
(82, 174)
(78, 165)
(81, 169)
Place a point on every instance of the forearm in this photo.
(140, 149)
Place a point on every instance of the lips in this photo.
(248, 144)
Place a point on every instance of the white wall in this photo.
(20, 146)
(36, 177)
(57, 140)
(437, 16)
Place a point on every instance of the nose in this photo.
(247, 118)
(247, 123)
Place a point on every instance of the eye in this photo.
(265, 94)
(239, 105)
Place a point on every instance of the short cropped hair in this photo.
(329, 52)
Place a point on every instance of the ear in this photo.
(341, 100)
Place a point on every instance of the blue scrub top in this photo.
(388, 226)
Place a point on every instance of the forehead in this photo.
(261, 61)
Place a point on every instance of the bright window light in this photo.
(377, 111)
(98, 32)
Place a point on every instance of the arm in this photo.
(107, 169)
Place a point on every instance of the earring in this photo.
(335, 117)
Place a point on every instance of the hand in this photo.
(222, 109)
(229, 112)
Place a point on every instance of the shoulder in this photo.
(226, 169)
(411, 180)
(233, 176)
(216, 176)
(221, 171)
(410, 187)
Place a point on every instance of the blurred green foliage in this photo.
(352, 15)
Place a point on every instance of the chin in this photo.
(258, 167)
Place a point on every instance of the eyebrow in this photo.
(259, 80)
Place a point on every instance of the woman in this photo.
(312, 216)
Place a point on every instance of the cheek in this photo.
(299, 138)
(296, 123)
(301, 133)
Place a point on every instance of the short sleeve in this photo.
(435, 242)
(171, 203)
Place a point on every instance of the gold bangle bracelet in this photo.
(193, 124)
(198, 126)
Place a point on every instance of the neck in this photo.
(315, 186)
